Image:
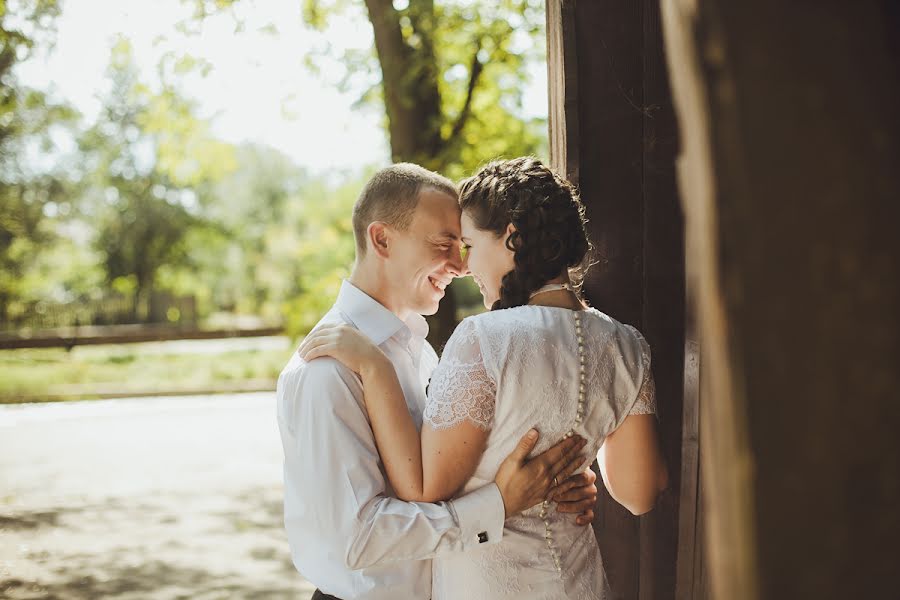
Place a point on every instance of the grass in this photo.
(30, 374)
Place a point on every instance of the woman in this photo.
(540, 358)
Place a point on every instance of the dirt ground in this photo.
(151, 499)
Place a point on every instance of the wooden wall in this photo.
(790, 180)
(613, 133)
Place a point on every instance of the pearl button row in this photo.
(548, 537)
(579, 336)
(579, 417)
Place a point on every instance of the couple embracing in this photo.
(408, 477)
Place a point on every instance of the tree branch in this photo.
(474, 72)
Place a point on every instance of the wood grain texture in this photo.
(790, 186)
(612, 127)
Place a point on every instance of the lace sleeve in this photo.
(461, 389)
(646, 399)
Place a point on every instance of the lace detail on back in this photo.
(532, 359)
(461, 389)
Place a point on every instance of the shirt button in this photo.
(482, 537)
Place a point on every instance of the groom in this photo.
(348, 534)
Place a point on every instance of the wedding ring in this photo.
(555, 483)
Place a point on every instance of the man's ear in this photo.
(379, 237)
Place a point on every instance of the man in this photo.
(348, 535)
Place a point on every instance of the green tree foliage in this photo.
(146, 157)
(323, 252)
(169, 207)
(282, 241)
(247, 266)
(30, 190)
(452, 75)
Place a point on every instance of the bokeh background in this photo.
(176, 180)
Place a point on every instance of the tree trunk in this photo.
(409, 79)
(413, 105)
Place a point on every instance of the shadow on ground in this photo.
(175, 547)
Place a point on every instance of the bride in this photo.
(540, 358)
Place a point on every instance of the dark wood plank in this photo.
(794, 211)
(663, 306)
(808, 186)
(608, 38)
(609, 91)
(689, 540)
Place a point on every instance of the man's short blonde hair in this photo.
(391, 196)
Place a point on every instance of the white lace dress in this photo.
(508, 371)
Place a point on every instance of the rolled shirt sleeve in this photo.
(338, 512)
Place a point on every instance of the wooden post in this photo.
(612, 131)
(790, 186)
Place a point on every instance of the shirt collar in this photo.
(373, 319)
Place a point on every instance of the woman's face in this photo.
(488, 259)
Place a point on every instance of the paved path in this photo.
(150, 499)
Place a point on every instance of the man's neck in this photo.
(370, 279)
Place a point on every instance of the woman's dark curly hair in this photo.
(548, 217)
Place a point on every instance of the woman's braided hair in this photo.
(548, 217)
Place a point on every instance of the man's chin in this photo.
(428, 306)
(430, 309)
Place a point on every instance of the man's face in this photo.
(426, 257)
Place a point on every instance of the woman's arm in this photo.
(449, 458)
(396, 436)
(631, 461)
(631, 464)
(429, 467)
(432, 466)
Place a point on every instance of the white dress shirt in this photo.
(347, 534)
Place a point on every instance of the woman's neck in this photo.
(560, 298)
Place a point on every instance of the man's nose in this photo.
(458, 266)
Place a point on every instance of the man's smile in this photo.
(438, 284)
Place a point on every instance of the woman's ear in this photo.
(378, 237)
(510, 229)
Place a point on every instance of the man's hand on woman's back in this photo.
(524, 483)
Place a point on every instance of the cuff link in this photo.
(482, 537)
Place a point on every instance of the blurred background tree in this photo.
(32, 189)
(144, 159)
(143, 200)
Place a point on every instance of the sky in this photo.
(258, 89)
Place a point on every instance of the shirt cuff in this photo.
(480, 515)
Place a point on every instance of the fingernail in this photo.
(532, 434)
